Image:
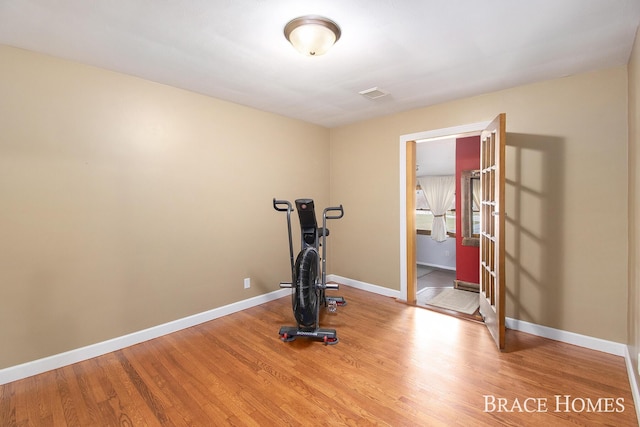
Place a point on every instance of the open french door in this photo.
(492, 222)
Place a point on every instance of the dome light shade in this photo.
(312, 35)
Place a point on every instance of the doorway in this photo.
(408, 276)
(492, 288)
(447, 265)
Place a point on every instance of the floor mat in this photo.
(455, 299)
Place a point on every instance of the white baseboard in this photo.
(380, 290)
(632, 381)
(585, 341)
(35, 367)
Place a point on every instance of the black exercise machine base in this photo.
(290, 333)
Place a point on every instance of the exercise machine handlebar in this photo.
(325, 217)
(277, 206)
(333, 209)
(277, 203)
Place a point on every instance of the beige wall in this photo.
(126, 204)
(566, 197)
(634, 205)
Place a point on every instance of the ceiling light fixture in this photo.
(312, 35)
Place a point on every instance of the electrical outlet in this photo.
(247, 283)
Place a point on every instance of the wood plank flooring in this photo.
(395, 365)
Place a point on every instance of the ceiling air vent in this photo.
(373, 93)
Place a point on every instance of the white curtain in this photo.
(440, 192)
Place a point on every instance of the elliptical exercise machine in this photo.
(308, 277)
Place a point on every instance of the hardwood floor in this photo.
(395, 365)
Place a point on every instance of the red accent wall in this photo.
(467, 257)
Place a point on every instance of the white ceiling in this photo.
(422, 52)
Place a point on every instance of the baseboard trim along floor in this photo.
(35, 367)
(14, 373)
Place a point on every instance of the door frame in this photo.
(407, 237)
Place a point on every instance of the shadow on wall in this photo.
(534, 246)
